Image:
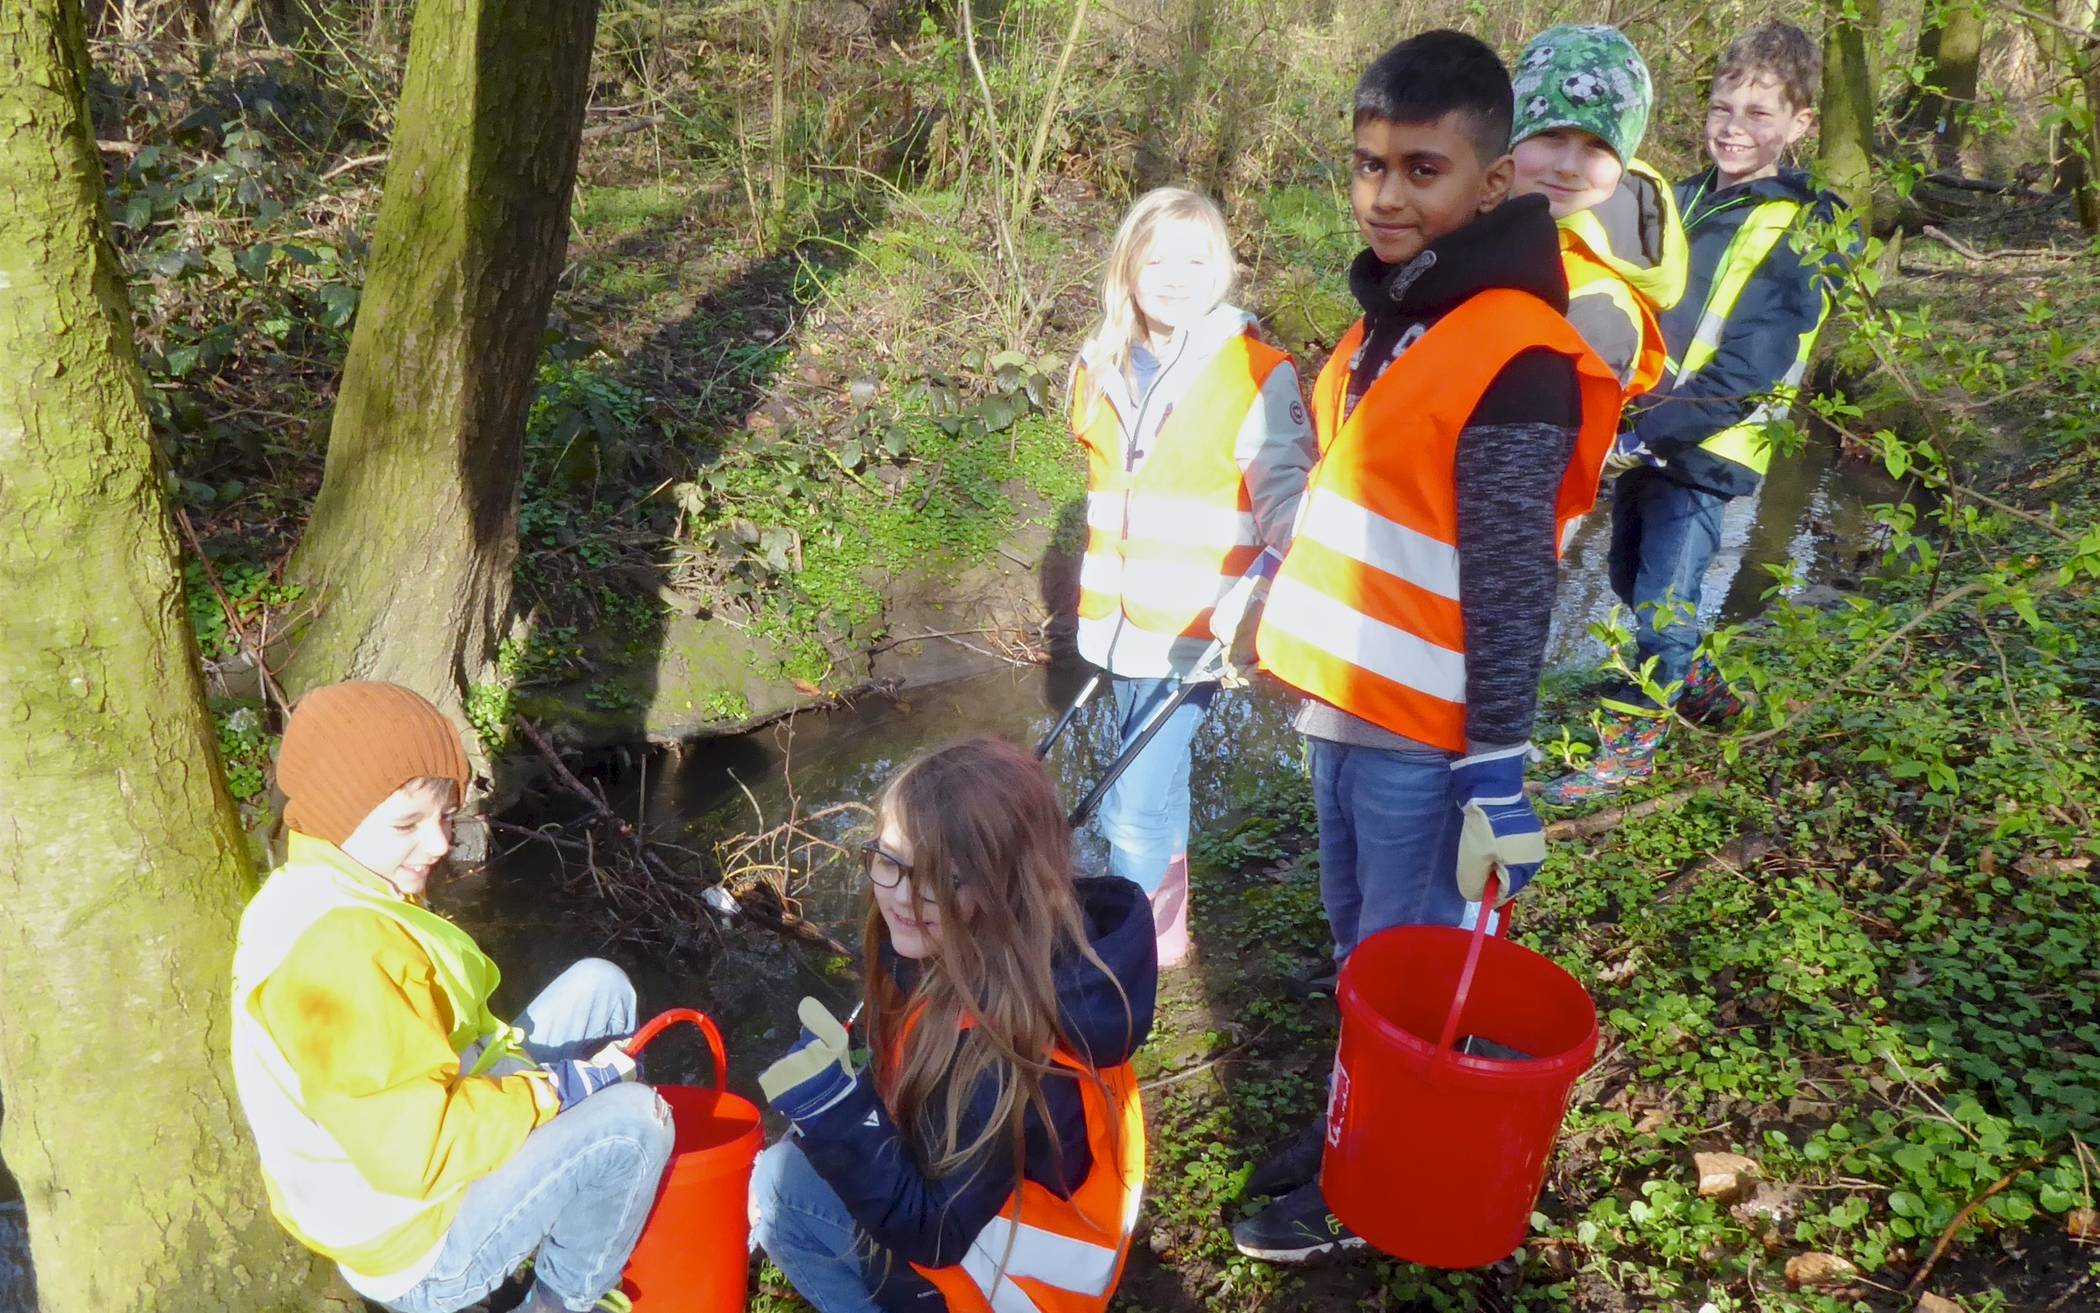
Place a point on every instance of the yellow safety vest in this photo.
(315, 1190)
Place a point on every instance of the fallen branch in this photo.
(1961, 1219)
(249, 647)
(1968, 252)
(348, 165)
(621, 128)
(782, 921)
(1589, 827)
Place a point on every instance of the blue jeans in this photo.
(575, 1194)
(1388, 840)
(1145, 815)
(1663, 536)
(803, 1226)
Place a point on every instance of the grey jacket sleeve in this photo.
(1275, 450)
(1511, 457)
(1604, 325)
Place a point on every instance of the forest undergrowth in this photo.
(802, 350)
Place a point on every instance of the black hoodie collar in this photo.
(1514, 245)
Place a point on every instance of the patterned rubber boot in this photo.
(1625, 755)
(1707, 699)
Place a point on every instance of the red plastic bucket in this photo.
(695, 1249)
(1433, 1155)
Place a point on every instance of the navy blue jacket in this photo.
(1760, 343)
(861, 1153)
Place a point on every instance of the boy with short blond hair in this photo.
(1739, 344)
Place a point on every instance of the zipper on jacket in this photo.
(1130, 456)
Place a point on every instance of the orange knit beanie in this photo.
(348, 746)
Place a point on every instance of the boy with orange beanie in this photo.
(405, 1131)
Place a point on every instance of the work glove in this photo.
(1628, 452)
(1499, 828)
(577, 1079)
(817, 1072)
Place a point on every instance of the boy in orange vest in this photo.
(1463, 425)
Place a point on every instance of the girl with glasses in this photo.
(991, 1144)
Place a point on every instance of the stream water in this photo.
(1811, 515)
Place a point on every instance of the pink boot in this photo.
(1170, 912)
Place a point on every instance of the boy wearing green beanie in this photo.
(1583, 96)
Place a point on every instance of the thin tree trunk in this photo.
(408, 555)
(1952, 49)
(1847, 147)
(123, 868)
(2074, 146)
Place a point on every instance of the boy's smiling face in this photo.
(1574, 170)
(1749, 125)
(1412, 183)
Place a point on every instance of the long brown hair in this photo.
(980, 814)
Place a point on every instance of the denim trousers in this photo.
(575, 1195)
(1145, 814)
(1389, 828)
(803, 1226)
(1663, 536)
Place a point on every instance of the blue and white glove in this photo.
(577, 1079)
(1499, 829)
(1628, 452)
(817, 1072)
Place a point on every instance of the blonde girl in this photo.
(995, 1136)
(1198, 446)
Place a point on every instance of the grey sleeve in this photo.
(1511, 457)
(1604, 325)
(1275, 450)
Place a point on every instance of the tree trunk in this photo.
(408, 555)
(1952, 48)
(1847, 147)
(123, 868)
(2074, 142)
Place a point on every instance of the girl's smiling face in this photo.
(914, 921)
(1178, 279)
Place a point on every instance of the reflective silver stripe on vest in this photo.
(1005, 1249)
(1365, 536)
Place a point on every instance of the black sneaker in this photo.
(1297, 1162)
(1319, 982)
(1295, 1228)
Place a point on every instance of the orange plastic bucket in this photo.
(695, 1249)
(1434, 1155)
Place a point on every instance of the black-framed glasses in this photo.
(881, 866)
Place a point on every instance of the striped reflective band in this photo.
(1366, 536)
(1328, 625)
(1745, 255)
(1006, 1249)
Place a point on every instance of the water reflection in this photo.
(1811, 513)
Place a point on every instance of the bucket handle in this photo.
(1465, 975)
(657, 1024)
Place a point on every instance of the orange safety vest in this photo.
(1584, 268)
(1167, 540)
(1364, 613)
(1045, 1254)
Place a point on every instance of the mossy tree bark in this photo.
(2074, 143)
(122, 864)
(1851, 30)
(408, 555)
(1950, 43)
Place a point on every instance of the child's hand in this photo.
(1629, 452)
(577, 1079)
(817, 1072)
(1500, 829)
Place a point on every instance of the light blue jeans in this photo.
(575, 1195)
(803, 1226)
(1388, 840)
(1145, 815)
